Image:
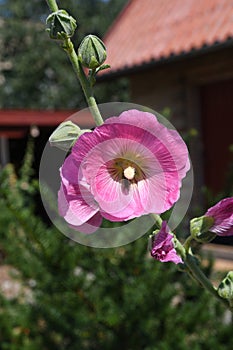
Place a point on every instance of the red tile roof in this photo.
(148, 30)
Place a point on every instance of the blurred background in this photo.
(172, 56)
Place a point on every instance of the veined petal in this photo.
(75, 202)
(75, 209)
(168, 137)
(163, 247)
(222, 213)
(91, 225)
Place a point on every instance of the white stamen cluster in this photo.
(129, 173)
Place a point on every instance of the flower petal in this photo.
(162, 246)
(169, 137)
(91, 225)
(75, 202)
(222, 213)
(75, 209)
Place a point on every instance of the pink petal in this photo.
(173, 257)
(163, 247)
(75, 202)
(90, 226)
(75, 209)
(169, 137)
(222, 212)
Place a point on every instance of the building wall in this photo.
(179, 85)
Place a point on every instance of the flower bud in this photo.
(222, 214)
(92, 52)
(199, 228)
(225, 289)
(61, 25)
(65, 135)
(162, 246)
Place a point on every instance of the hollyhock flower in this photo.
(222, 214)
(163, 247)
(130, 166)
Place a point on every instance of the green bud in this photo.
(225, 289)
(61, 25)
(92, 52)
(199, 228)
(65, 135)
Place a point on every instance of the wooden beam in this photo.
(44, 118)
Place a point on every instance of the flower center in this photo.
(129, 173)
(121, 169)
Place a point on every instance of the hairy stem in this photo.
(195, 272)
(187, 243)
(52, 5)
(88, 92)
(202, 279)
(85, 83)
(158, 220)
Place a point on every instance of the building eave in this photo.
(25, 118)
(183, 55)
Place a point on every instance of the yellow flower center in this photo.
(121, 168)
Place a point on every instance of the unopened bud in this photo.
(225, 289)
(92, 52)
(199, 228)
(65, 135)
(61, 25)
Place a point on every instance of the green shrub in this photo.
(76, 297)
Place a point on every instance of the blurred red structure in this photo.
(15, 125)
(178, 55)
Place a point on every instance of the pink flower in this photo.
(130, 166)
(222, 213)
(163, 246)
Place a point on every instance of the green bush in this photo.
(75, 297)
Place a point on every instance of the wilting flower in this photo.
(222, 215)
(163, 247)
(130, 166)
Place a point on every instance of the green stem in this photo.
(52, 5)
(158, 220)
(77, 66)
(193, 269)
(202, 279)
(187, 243)
(88, 92)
